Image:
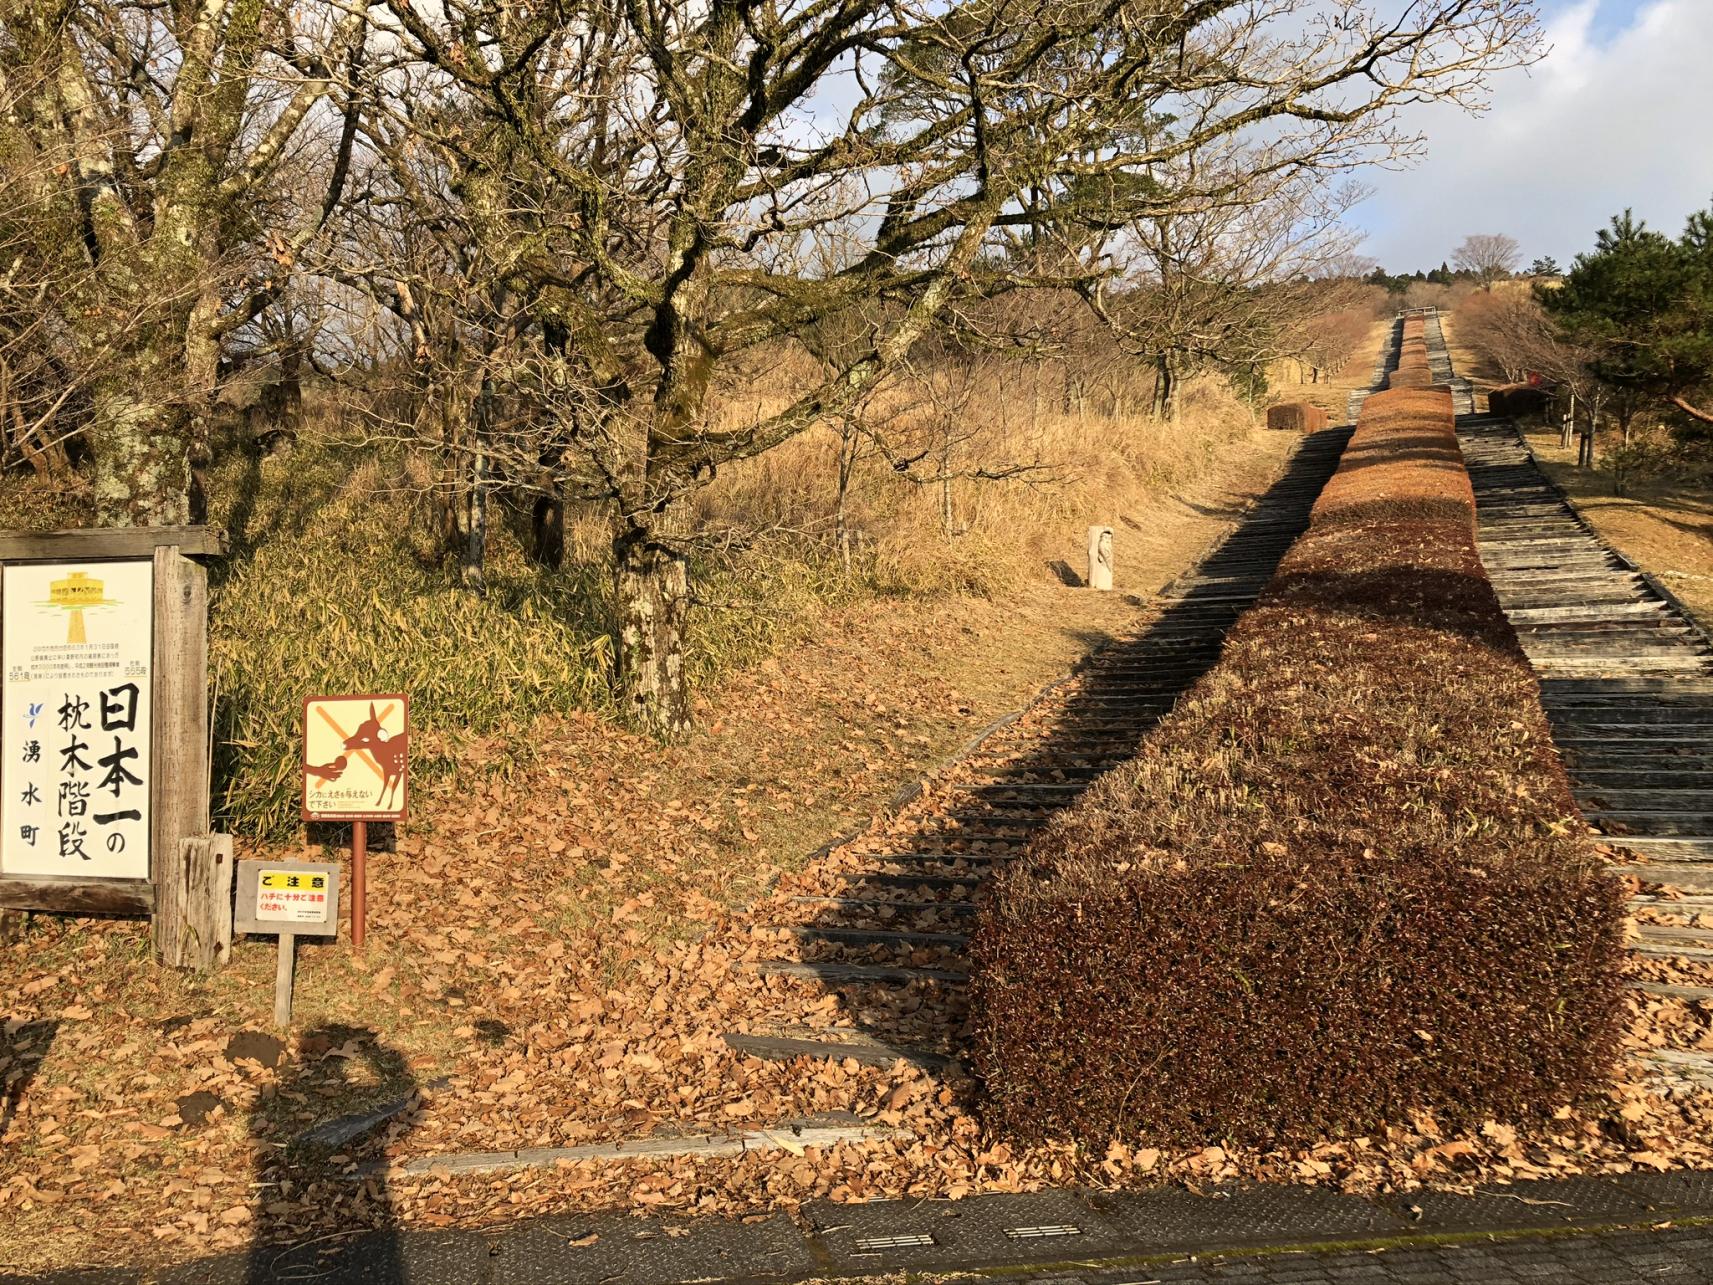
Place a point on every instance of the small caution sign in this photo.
(287, 897)
(298, 897)
(355, 757)
(288, 900)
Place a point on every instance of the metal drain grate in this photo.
(1047, 1232)
(880, 1244)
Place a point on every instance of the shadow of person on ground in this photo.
(296, 1186)
(23, 1045)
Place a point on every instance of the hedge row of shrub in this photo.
(1296, 417)
(1343, 880)
(1402, 462)
(1413, 369)
(1517, 399)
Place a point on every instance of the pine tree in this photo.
(1644, 303)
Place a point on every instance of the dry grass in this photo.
(336, 584)
(1332, 393)
(1068, 470)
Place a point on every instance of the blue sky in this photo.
(1620, 113)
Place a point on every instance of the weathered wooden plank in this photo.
(1667, 950)
(788, 1136)
(1684, 1059)
(1598, 689)
(1666, 849)
(1572, 666)
(198, 886)
(12, 923)
(880, 905)
(111, 542)
(1641, 824)
(1595, 780)
(883, 974)
(1667, 933)
(1648, 738)
(1584, 613)
(1688, 905)
(1629, 717)
(841, 936)
(75, 895)
(1673, 990)
(184, 935)
(783, 1048)
(1649, 798)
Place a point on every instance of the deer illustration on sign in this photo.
(387, 748)
(356, 758)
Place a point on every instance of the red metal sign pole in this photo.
(359, 881)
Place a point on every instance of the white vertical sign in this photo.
(76, 653)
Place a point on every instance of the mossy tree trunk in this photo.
(143, 197)
(1165, 404)
(650, 552)
(142, 449)
(547, 532)
(652, 600)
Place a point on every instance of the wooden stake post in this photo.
(1100, 558)
(290, 899)
(129, 836)
(283, 980)
(359, 882)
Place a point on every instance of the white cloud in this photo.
(1614, 117)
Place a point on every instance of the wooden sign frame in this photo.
(179, 785)
(250, 872)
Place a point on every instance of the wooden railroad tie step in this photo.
(1018, 780)
(838, 973)
(912, 882)
(840, 936)
(959, 908)
(836, 1045)
(1674, 990)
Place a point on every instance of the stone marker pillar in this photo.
(1100, 558)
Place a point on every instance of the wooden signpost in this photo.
(104, 773)
(356, 767)
(291, 899)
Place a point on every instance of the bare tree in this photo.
(1489, 257)
(1226, 280)
(640, 177)
(1513, 332)
(1326, 341)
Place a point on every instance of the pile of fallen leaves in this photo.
(538, 972)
